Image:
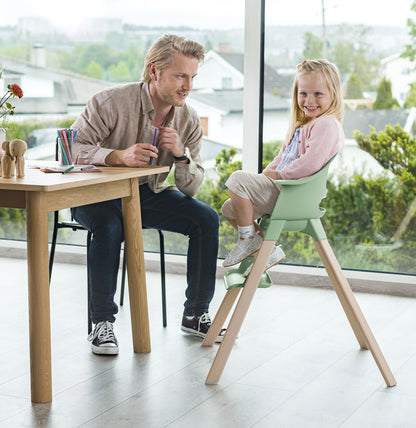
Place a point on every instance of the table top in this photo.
(36, 180)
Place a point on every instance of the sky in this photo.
(215, 14)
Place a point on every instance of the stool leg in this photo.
(219, 320)
(53, 243)
(240, 312)
(163, 277)
(352, 310)
(89, 236)
(123, 277)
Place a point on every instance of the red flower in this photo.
(6, 108)
(16, 90)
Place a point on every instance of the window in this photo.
(227, 82)
(370, 217)
(204, 124)
(101, 47)
(369, 210)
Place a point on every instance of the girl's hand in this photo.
(274, 175)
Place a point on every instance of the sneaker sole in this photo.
(104, 351)
(274, 264)
(253, 254)
(267, 268)
(200, 335)
(193, 332)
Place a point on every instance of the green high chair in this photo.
(297, 210)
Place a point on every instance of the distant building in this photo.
(401, 73)
(225, 71)
(48, 93)
(88, 30)
(35, 25)
(97, 29)
(362, 119)
(221, 115)
(218, 99)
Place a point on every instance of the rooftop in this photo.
(231, 101)
(359, 120)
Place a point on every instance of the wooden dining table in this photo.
(40, 193)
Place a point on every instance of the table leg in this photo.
(135, 269)
(39, 303)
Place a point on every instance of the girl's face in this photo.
(313, 96)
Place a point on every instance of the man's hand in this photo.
(135, 155)
(169, 140)
(274, 175)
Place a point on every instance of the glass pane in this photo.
(60, 58)
(371, 198)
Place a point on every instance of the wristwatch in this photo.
(182, 158)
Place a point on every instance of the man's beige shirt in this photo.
(118, 117)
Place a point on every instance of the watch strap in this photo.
(180, 158)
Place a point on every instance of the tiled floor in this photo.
(296, 363)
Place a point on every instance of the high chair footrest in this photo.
(234, 278)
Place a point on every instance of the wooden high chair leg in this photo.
(240, 312)
(219, 320)
(352, 310)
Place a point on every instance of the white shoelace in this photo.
(104, 330)
(204, 319)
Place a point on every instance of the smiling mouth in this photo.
(311, 108)
(182, 95)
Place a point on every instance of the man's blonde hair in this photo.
(161, 52)
(331, 75)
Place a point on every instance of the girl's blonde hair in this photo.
(161, 52)
(331, 75)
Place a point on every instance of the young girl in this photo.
(315, 135)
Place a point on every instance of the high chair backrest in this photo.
(298, 207)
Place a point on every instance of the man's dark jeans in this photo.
(169, 210)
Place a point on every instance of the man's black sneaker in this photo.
(102, 338)
(199, 325)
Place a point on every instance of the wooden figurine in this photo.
(8, 165)
(17, 150)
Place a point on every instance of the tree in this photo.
(395, 151)
(410, 49)
(215, 194)
(94, 70)
(411, 97)
(351, 52)
(354, 87)
(385, 98)
(225, 165)
(119, 72)
(313, 46)
(135, 60)
(349, 49)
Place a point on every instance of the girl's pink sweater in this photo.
(318, 143)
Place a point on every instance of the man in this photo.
(118, 127)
